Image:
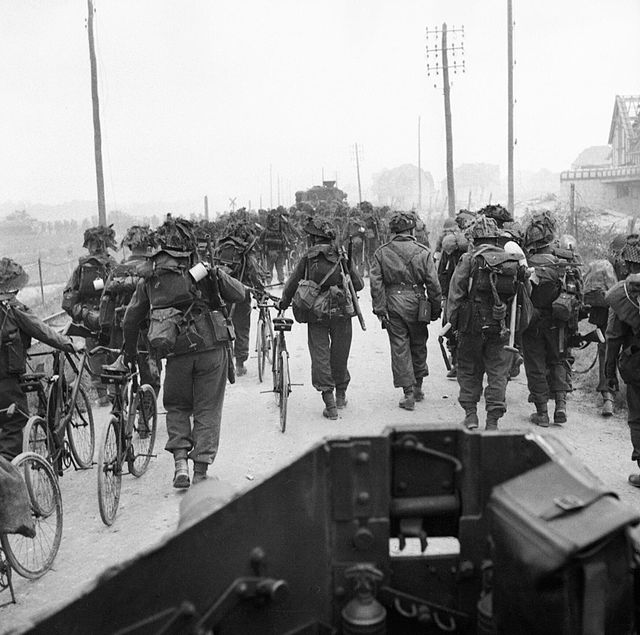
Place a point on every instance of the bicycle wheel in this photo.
(276, 371)
(285, 388)
(80, 430)
(260, 349)
(37, 438)
(33, 557)
(143, 432)
(110, 471)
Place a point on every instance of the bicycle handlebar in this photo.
(103, 349)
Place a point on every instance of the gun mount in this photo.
(418, 530)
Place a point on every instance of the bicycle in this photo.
(128, 437)
(66, 433)
(264, 336)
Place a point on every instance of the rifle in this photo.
(213, 274)
(443, 350)
(349, 283)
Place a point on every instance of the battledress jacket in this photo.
(208, 328)
(401, 271)
(19, 327)
(315, 265)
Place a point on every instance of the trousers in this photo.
(275, 258)
(194, 388)
(329, 345)
(11, 427)
(242, 325)
(478, 356)
(408, 343)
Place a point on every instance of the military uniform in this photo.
(81, 299)
(402, 270)
(274, 245)
(328, 336)
(17, 326)
(196, 371)
(622, 335)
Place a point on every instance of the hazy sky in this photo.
(202, 96)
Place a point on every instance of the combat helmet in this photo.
(464, 218)
(402, 222)
(449, 224)
(12, 276)
(631, 251)
(176, 237)
(100, 238)
(500, 214)
(540, 230)
(483, 228)
(139, 237)
(320, 226)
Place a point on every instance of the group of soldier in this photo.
(506, 294)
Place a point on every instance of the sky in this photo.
(214, 96)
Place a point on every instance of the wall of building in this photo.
(605, 195)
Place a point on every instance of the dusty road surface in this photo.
(252, 447)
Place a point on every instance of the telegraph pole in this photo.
(270, 186)
(419, 170)
(357, 154)
(97, 136)
(510, 106)
(442, 64)
(206, 207)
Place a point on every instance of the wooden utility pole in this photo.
(451, 189)
(97, 136)
(510, 106)
(358, 172)
(441, 53)
(572, 210)
(206, 207)
(419, 170)
(270, 186)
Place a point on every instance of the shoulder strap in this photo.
(329, 273)
(407, 263)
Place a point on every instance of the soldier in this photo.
(546, 357)
(623, 346)
(477, 310)
(17, 326)
(401, 271)
(329, 331)
(274, 245)
(236, 252)
(452, 245)
(117, 294)
(81, 297)
(196, 340)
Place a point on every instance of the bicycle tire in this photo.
(143, 433)
(260, 343)
(110, 471)
(37, 438)
(285, 389)
(275, 369)
(81, 431)
(33, 557)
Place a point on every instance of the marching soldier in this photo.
(477, 311)
(187, 319)
(401, 271)
(274, 243)
(329, 330)
(81, 297)
(17, 326)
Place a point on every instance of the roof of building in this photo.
(627, 110)
(593, 157)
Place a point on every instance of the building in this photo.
(609, 176)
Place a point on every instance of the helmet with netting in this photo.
(177, 236)
(320, 226)
(540, 230)
(12, 276)
(139, 237)
(500, 214)
(101, 237)
(483, 227)
(631, 250)
(402, 221)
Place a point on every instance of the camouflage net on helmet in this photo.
(103, 237)
(402, 221)
(482, 227)
(631, 251)
(178, 234)
(500, 214)
(12, 276)
(320, 226)
(140, 237)
(541, 230)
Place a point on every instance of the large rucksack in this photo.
(548, 283)
(117, 293)
(92, 268)
(494, 268)
(230, 253)
(599, 278)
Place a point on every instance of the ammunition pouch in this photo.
(564, 307)
(165, 326)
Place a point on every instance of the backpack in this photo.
(599, 278)
(170, 289)
(117, 293)
(548, 288)
(92, 268)
(493, 267)
(230, 253)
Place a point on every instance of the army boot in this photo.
(241, 369)
(560, 413)
(541, 416)
(330, 411)
(418, 393)
(408, 402)
(199, 471)
(341, 398)
(470, 416)
(492, 419)
(181, 475)
(607, 404)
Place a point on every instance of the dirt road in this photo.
(252, 447)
